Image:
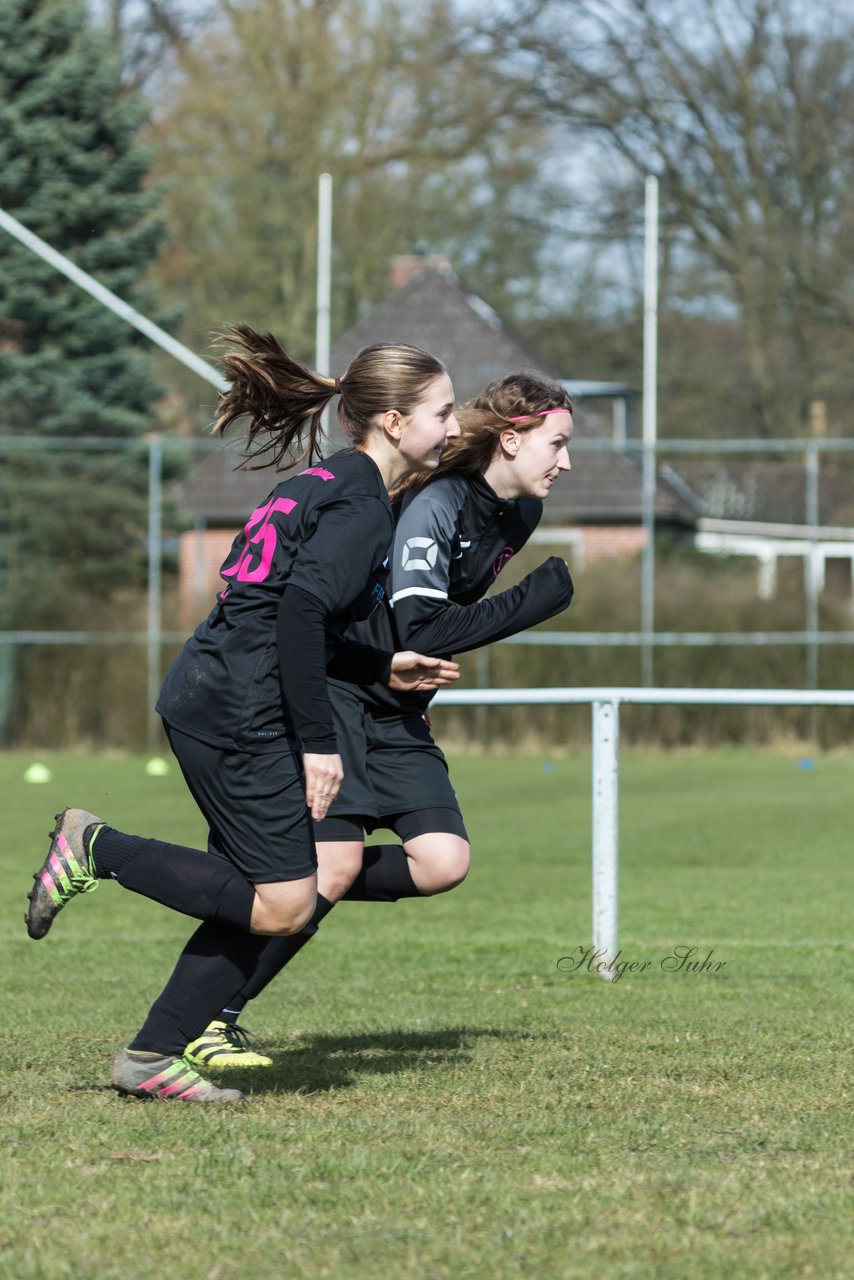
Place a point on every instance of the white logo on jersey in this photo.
(411, 557)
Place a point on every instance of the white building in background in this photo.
(761, 509)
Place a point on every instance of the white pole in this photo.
(606, 743)
(155, 557)
(324, 272)
(637, 696)
(111, 301)
(812, 571)
(650, 423)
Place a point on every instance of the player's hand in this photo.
(413, 673)
(323, 778)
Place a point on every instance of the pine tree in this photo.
(72, 170)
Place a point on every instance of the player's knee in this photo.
(294, 920)
(279, 911)
(336, 883)
(337, 868)
(446, 868)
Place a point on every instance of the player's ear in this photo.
(391, 424)
(509, 441)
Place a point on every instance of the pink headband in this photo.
(544, 414)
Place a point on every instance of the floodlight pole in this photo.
(155, 561)
(322, 354)
(650, 425)
(324, 273)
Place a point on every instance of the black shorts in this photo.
(392, 766)
(254, 806)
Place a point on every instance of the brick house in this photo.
(597, 508)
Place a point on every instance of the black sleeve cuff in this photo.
(360, 663)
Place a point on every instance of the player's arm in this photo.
(429, 624)
(359, 663)
(403, 671)
(425, 617)
(301, 644)
(331, 569)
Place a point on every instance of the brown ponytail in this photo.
(285, 400)
(282, 399)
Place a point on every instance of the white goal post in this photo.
(605, 704)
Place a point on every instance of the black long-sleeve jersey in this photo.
(453, 538)
(322, 534)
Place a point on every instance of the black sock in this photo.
(277, 953)
(236, 1005)
(385, 876)
(196, 882)
(215, 963)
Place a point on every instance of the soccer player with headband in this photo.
(456, 531)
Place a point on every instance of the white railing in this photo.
(605, 703)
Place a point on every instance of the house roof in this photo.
(435, 310)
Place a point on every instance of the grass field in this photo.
(448, 1102)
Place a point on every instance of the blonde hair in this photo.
(284, 400)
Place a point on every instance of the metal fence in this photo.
(605, 707)
(815, 543)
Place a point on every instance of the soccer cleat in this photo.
(152, 1076)
(65, 872)
(224, 1044)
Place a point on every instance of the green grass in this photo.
(446, 1102)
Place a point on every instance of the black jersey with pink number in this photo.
(327, 531)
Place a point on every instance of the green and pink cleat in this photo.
(148, 1075)
(66, 871)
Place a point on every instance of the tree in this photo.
(71, 169)
(745, 111)
(396, 101)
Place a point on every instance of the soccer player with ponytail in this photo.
(246, 705)
(455, 533)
